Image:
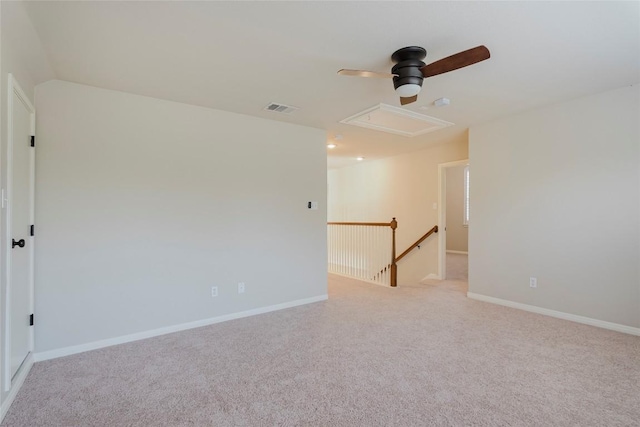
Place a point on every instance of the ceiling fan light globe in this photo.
(408, 90)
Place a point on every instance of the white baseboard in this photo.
(559, 314)
(458, 252)
(67, 351)
(16, 385)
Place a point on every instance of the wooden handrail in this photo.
(415, 245)
(394, 267)
(373, 224)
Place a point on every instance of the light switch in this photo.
(313, 206)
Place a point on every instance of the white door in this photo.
(19, 218)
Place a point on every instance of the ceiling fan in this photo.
(410, 71)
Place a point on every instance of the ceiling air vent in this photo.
(387, 118)
(280, 108)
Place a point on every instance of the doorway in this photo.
(453, 216)
(18, 299)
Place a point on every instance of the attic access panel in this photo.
(399, 121)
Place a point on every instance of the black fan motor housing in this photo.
(409, 62)
(407, 72)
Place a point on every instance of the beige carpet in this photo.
(457, 267)
(370, 356)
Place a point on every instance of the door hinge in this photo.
(31, 230)
(31, 320)
(33, 140)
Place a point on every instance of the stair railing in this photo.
(417, 243)
(393, 265)
(362, 249)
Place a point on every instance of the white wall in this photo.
(457, 232)
(145, 204)
(405, 187)
(555, 195)
(22, 55)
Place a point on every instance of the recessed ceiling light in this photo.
(360, 158)
(331, 146)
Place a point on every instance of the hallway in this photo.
(457, 267)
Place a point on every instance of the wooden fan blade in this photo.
(361, 73)
(453, 62)
(405, 101)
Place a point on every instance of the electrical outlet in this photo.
(533, 282)
(214, 291)
(241, 288)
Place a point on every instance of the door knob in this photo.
(18, 243)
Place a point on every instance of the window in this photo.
(465, 220)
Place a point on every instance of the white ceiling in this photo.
(240, 56)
